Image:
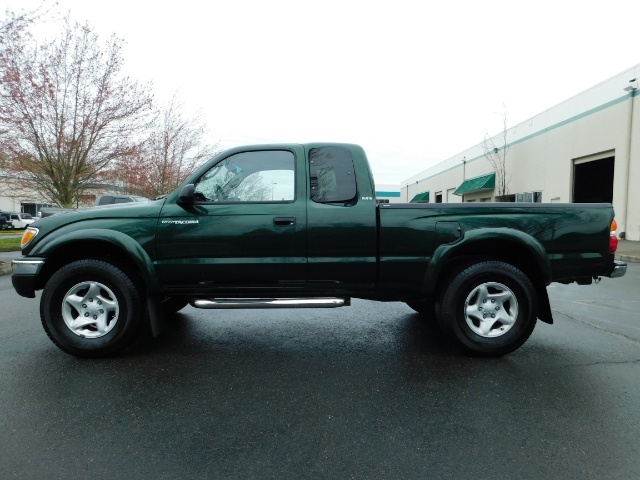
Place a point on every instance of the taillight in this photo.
(613, 237)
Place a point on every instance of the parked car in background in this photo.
(48, 211)
(112, 199)
(100, 201)
(18, 219)
(3, 222)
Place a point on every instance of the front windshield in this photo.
(26, 216)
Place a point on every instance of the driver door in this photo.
(246, 230)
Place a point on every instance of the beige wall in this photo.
(542, 151)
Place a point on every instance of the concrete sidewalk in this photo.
(5, 261)
(628, 251)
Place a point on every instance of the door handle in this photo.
(284, 221)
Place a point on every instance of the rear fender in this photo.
(470, 243)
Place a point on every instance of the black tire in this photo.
(172, 305)
(426, 308)
(489, 308)
(102, 294)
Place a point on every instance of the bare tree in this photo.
(496, 149)
(173, 149)
(254, 188)
(17, 22)
(66, 112)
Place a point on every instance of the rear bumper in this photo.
(25, 274)
(619, 269)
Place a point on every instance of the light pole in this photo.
(631, 88)
(273, 186)
(464, 173)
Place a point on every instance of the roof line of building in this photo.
(438, 168)
(542, 131)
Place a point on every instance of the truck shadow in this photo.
(410, 335)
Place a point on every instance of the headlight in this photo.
(28, 235)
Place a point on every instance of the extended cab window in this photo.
(265, 176)
(332, 176)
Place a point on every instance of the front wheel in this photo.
(489, 308)
(91, 308)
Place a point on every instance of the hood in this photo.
(121, 210)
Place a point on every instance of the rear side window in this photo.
(332, 175)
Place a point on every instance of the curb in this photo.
(5, 268)
(628, 258)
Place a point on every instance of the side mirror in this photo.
(187, 194)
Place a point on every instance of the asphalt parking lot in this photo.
(368, 391)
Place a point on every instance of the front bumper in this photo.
(619, 269)
(25, 274)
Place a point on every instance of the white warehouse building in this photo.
(586, 149)
(388, 193)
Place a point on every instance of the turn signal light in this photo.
(27, 236)
(613, 237)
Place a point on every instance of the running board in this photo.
(230, 303)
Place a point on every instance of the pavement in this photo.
(628, 251)
(5, 261)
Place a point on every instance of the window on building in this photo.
(506, 198)
(529, 197)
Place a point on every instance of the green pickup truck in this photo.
(286, 226)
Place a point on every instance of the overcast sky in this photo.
(413, 82)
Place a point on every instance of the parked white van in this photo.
(19, 220)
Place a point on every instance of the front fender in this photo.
(472, 242)
(131, 247)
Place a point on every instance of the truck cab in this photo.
(289, 224)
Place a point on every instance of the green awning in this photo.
(421, 198)
(477, 184)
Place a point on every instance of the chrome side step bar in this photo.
(230, 303)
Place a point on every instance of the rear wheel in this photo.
(489, 308)
(91, 308)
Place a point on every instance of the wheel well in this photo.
(85, 249)
(510, 252)
(507, 251)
